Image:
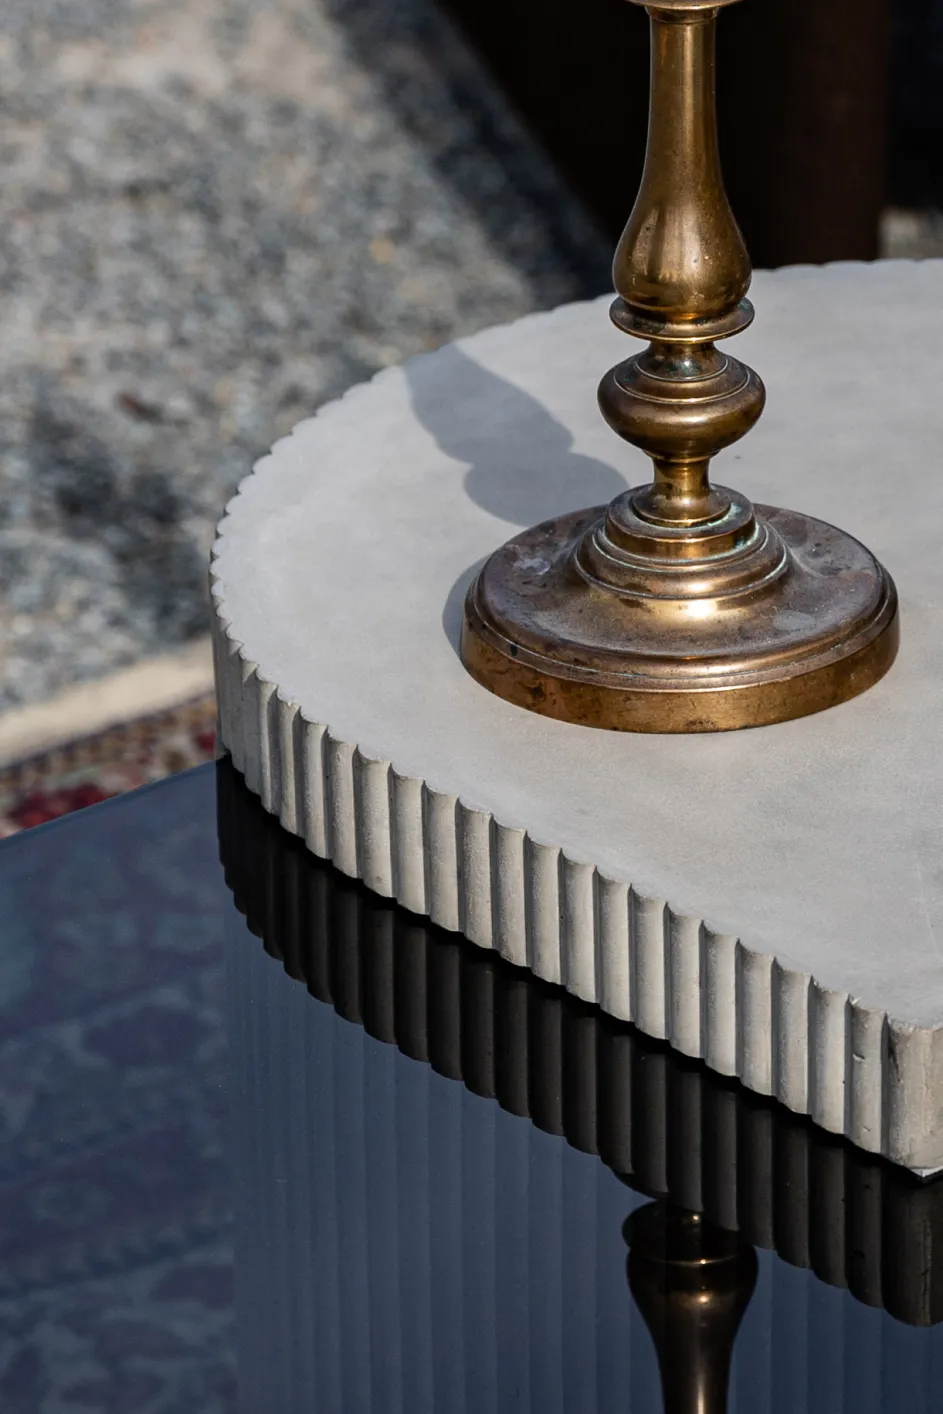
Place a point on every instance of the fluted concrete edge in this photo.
(851, 1068)
(733, 994)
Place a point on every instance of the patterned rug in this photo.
(96, 767)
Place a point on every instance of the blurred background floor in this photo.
(212, 220)
(214, 216)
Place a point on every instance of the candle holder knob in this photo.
(692, 1282)
(681, 607)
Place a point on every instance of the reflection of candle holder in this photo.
(670, 1128)
(692, 1282)
(681, 607)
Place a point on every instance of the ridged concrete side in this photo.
(822, 1053)
(673, 1131)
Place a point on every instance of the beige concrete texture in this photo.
(770, 901)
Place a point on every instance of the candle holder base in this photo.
(588, 619)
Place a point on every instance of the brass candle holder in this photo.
(692, 1282)
(681, 607)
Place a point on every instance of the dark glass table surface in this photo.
(272, 1144)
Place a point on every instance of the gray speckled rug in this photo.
(214, 215)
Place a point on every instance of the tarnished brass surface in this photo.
(692, 1282)
(681, 607)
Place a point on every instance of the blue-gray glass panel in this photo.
(115, 1189)
(217, 1193)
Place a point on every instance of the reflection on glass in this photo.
(406, 1242)
(691, 1281)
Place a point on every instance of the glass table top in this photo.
(272, 1144)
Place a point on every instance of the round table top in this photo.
(769, 900)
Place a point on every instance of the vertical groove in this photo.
(414, 1180)
(828, 1066)
(649, 1122)
(546, 1302)
(270, 785)
(611, 945)
(299, 766)
(683, 990)
(339, 776)
(580, 1326)
(542, 909)
(324, 1189)
(579, 1080)
(722, 1177)
(222, 650)
(791, 1052)
(383, 1345)
(647, 987)
(863, 1119)
(287, 800)
(372, 822)
(826, 1205)
(791, 1187)
(685, 1139)
(545, 1063)
(439, 830)
(577, 928)
(719, 1000)
(251, 728)
(754, 1020)
(314, 795)
(406, 841)
(615, 1066)
(915, 1068)
(864, 1202)
(474, 869)
(447, 1212)
(507, 893)
(350, 1124)
(234, 698)
(755, 1175)
(482, 1387)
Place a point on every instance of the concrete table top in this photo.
(770, 901)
